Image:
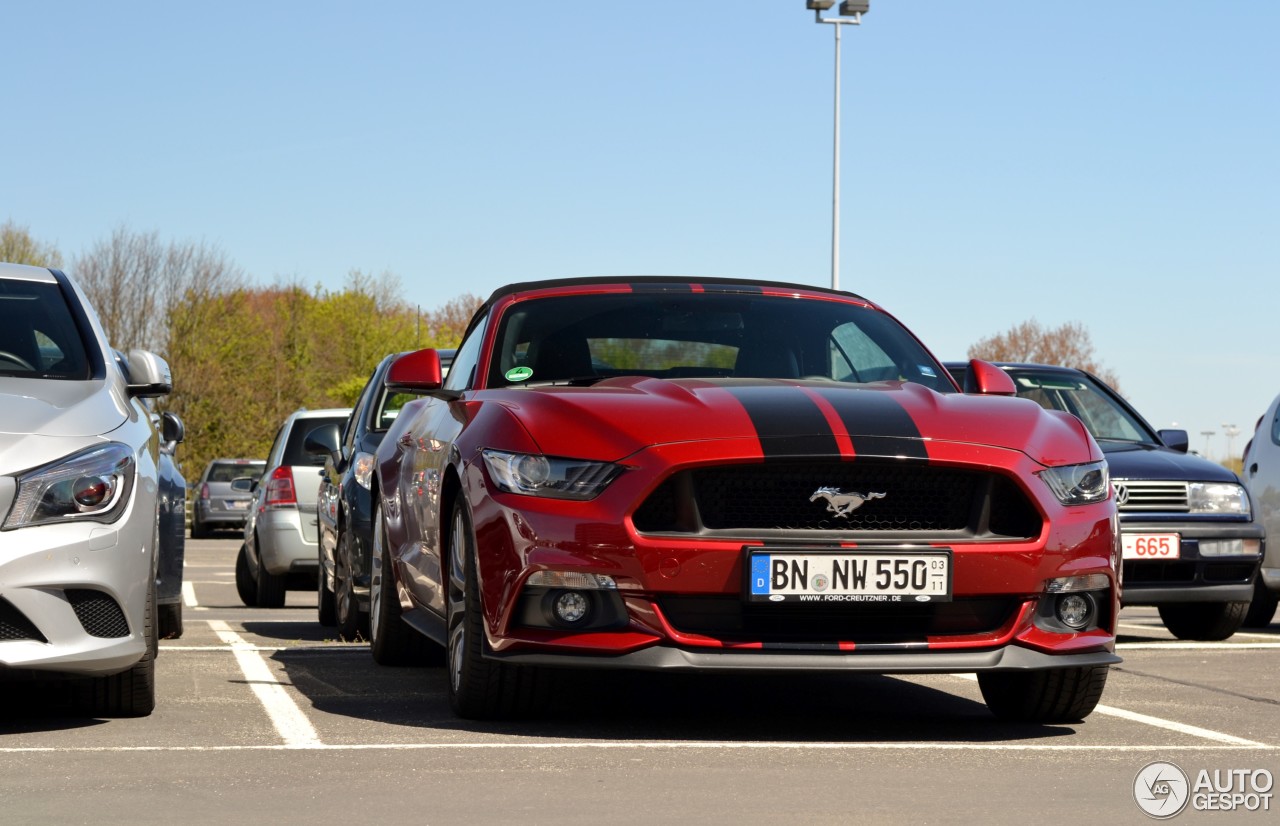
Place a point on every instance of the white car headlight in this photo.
(536, 475)
(1217, 497)
(1078, 484)
(92, 486)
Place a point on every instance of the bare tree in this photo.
(135, 281)
(18, 247)
(1068, 345)
(448, 323)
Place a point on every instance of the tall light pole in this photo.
(1207, 434)
(851, 12)
(1231, 432)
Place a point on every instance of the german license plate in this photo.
(791, 575)
(1151, 545)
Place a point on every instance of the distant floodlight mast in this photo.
(851, 12)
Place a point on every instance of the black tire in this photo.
(131, 693)
(325, 611)
(391, 640)
(246, 585)
(1055, 695)
(1203, 621)
(353, 624)
(1263, 608)
(271, 587)
(480, 688)
(170, 617)
(198, 531)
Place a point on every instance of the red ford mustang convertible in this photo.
(658, 473)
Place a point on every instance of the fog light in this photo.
(1230, 547)
(1075, 610)
(571, 607)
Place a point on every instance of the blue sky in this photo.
(1112, 163)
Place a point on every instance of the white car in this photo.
(1262, 477)
(78, 497)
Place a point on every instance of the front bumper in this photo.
(74, 595)
(676, 592)
(1192, 577)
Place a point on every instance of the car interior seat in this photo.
(560, 356)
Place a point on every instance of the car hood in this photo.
(615, 418)
(1138, 461)
(39, 417)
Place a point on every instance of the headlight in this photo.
(362, 469)
(536, 475)
(93, 486)
(1217, 497)
(1078, 484)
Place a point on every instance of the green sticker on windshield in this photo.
(518, 373)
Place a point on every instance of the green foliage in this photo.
(18, 247)
(245, 359)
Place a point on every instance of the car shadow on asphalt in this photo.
(629, 705)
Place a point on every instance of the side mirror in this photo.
(1175, 439)
(417, 372)
(985, 379)
(324, 441)
(148, 375)
(243, 484)
(171, 428)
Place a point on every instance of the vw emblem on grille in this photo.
(1122, 493)
(843, 504)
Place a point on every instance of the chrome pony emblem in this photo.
(843, 504)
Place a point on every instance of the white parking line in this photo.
(1158, 722)
(189, 594)
(290, 723)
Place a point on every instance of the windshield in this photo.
(1080, 396)
(586, 338)
(38, 335)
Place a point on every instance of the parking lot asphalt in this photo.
(262, 716)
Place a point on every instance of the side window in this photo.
(275, 444)
(462, 373)
(1275, 427)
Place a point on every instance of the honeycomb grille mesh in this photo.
(100, 615)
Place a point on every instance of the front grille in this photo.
(14, 624)
(1146, 496)
(100, 615)
(917, 499)
(728, 618)
(1228, 571)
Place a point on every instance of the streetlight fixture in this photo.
(850, 12)
(1207, 434)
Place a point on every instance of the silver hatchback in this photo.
(281, 537)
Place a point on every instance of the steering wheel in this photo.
(18, 360)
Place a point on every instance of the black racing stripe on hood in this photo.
(788, 422)
(877, 424)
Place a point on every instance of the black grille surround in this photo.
(99, 614)
(14, 624)
(773, 499)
